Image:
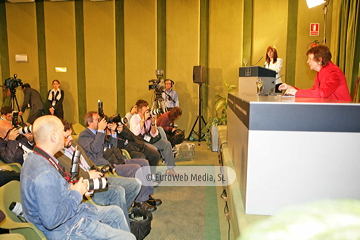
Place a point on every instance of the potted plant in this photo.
(211, 135)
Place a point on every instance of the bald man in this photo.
(52, 203)
(14, 147)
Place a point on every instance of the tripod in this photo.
(14, 102)
(158, 103)
(199, 119)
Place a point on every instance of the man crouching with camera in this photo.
(15, 142)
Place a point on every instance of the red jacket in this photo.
(330, 83)
(164, 122)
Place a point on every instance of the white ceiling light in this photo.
(314, 3)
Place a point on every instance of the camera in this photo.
(105, 169)
(100, 109)
(155, 112)
(75, 166)
(15, 118)
(12, 83)
(96, 183)
(157, 84)
(117, 119)
(93, 184)
(113, 119)
(16, 208)
(26, 129)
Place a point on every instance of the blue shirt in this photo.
(169, 103)
(47, 200)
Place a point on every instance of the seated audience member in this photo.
(128, 115)
(330, 81)
(143, 124)
(136, 147)
(121, 191)
(167, 122)
(6, 113)
(52, 203)
(93, 141)
(14, 147)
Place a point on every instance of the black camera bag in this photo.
(140, 228)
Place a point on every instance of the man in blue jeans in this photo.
(121, 190)
(52, 203)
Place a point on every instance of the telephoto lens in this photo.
(155, 112)
(16, 208)
(97, 183)
(26, 129)
(123, 120)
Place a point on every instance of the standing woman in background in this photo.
(55, 99)
(274, 63)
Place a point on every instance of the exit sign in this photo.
(314, 29)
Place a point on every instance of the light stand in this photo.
(314, 3)
(14, 102)
(325, 14)
(199, 120)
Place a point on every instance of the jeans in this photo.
(110, 225)
(132, 187)
(162, 133)
(165, 147)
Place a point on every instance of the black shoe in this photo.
(154, 202)
(145, 206)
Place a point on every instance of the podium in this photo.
(248, 77)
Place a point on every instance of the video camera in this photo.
(16, 124)
(105, 169)
(113, 119)
(12, 83)
(157, 84)
(93, 184)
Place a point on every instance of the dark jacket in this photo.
(59, 111)
(93, 145)
(10, 150)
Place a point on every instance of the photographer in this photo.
(32, 99)
(53, 204)
(6, 113)
(93, 141)
(167, 122)
(136, 147)
(14, 147)
(121, 191)
(143, 124)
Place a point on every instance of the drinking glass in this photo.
(259, 84)
(245, 61)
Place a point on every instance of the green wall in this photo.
(112, 48)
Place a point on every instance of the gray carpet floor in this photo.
(188, 212)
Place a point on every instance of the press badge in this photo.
(147, 138)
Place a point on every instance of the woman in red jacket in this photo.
(330, 81)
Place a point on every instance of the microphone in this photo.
(258, 61)
(280, 77)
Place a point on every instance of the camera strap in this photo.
(56, 165)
